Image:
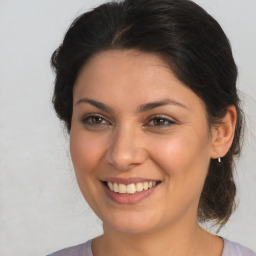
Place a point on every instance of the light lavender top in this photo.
(230, 249)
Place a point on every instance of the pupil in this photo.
(97, 119)
(159, 121)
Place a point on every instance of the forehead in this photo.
(132, 56)
(127, 62)
(131, 76)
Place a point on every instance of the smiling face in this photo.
(135, 122)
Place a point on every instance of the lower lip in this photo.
(129, 198)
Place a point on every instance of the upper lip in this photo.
(127, 181)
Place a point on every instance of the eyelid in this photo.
(92, 115)
(170, 120)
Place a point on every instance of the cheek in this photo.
(175, 149)
(183, 161)
(85, 152)
(183, 155)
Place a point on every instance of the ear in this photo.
(223, 134)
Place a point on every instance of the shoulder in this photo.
(235, 249)
(83, 249)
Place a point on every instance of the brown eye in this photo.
(160, 122)
(94, 120)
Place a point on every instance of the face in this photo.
(138, 130)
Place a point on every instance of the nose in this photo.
(126, 149)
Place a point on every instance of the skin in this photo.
(126, 143)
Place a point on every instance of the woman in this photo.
(147, 92)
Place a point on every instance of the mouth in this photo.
(132, 188)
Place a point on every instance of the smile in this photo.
(131, 188)
(129, 191)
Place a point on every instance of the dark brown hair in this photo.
(197, 50)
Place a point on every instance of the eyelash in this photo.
(170, 122)
(88, 121)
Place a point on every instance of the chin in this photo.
(131, 224)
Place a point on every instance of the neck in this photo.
(177, 241)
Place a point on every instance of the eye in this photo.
(94, 120)
(160, 122)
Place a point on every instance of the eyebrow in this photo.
(155, 104)
(142, 108)
(95, 103)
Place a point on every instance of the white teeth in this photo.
(111, 186)
(130, 188)
(115, 187)
(139, 186)
(145, 185)
(122, 188)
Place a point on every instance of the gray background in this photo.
(41, 208)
